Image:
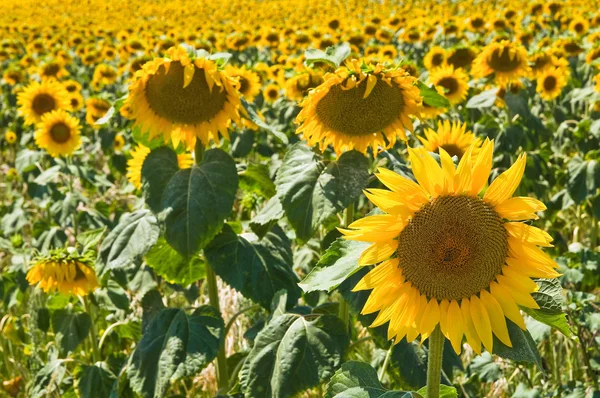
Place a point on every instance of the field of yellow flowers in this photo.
(311, 198)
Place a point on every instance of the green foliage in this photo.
(332, 56)
(71, 329)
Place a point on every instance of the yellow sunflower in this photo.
(298, 86)
(455, 83)
(183, 99)
(39, 98)
(597, 81)
(271, 92)
(63, 272)
(10, 137)
(506, 60)
(58, 133)
(76, 102)
(95, 108)
(551, 82)
(358, 107)
(52, 70)
(103, 75)
(435, 57)
(248, 81)
(446, 255)
(139, 154)
(119, 142)
(452, 138)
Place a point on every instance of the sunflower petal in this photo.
(378, 252)
(503, 187)
(520, 208)
(497, 319)
(481, 320)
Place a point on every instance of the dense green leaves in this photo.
(338, 263)
(96, 381)
(523, 347)
(135, 234)
(48, 380)
(312, 190)
(550, 300)
(71, 328)
(359, 380)
(485, 368)
(293, 353)
(256, 268)
(173, 346)
(198, 201)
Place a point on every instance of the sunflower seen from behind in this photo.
(182, 99)
(447, 255)
(38, 99)
(58, 133)
(505, 60)
(360, 106)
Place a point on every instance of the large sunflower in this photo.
(138, 156)
(447, 255)
(506, 60)
(183, 99)
(39, 98)
(360, 106)
(67, 273)
(550, 82)
(455, 83)
(452, 138)
(58, 133)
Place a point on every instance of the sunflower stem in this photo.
(386, 362)
(87, 306)
(213, 297)
(434, 363)
(344, 311)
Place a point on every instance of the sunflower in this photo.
(579, 26)
(119, 142)
(271, 92)
(58, 133)
(551, 82)
(453, 138)
(104, 75)
(96, 108)
(183, 99)
(447, 255)
(506, 60)
(461, 57)
(435, 57)
(39, 98)
(76, 101)
(360, 106)
(597, 81)
(248, 81)
(53, 70)
(10, 137)
(13, 76)
(298, 86)
(454, 82)
(67, 273)
(139, 154)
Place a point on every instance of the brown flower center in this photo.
(60, 133)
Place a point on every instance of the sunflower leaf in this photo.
(523, 347)
(332, 56)
(96, 381)
(173, 267)
(256, 118)
(338, 263)
(293, 353)
(70, 328)
(431, 97)
(485, 99)
(159, 167)
(174, 345)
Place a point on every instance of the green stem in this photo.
(344, 311)
(87, 306)
(386, 362)
(199, 152)
(434, 363)
(213, 297)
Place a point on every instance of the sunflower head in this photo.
(248, 82)
(435, 58)
(447, 255)
(298, 86)
(360, 106)
(58, 133)
(271, 92)
(10, 137)
(96, 108)
(550, 82)
(119, 142)
(461, 57)
(182, 98)
(64, 271)
(138, 156)
(453, 138)
(506, 60)
(38, 99)
(454, 82)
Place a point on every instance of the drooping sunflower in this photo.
(506, 60)
(455, 83)
(550, 82)
(58, 133)
(138, 156)
(183, 99)
(446, 255)
(248, 81)
(40, 98)
(360, 106)
(453, 138)
(67, 273)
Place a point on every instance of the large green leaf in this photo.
(485, 368)
(359, 380)
(135, 234)
(256, 268)
(199, 200)
(431, 97)
(26, 160)
(523, 347)
(256, 179)
(267, 216)
(312, 191)
(96, 381)
(71, 329)
(338, 263)
(173, 267)
(550, 300)
(583, 178)
(293, 353)
(173, 346)
(159, 167)
(485, 99)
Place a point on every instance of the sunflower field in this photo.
(310, 198)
